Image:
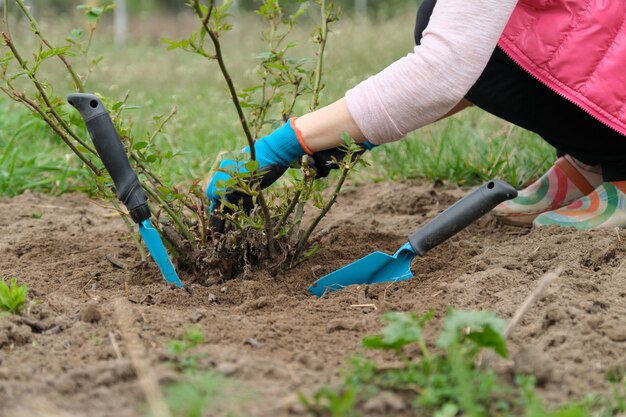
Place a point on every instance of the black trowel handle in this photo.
(461, 214)
(111, 151)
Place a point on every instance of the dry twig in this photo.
(364, 306)
(486, 359)
(143, 368)
(115, 346)
(544, 281)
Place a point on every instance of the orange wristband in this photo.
(305, 148)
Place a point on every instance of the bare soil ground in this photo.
(267, 333)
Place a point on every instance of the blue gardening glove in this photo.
(325, 160)
(274, 153)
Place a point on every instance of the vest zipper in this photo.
(519, 64)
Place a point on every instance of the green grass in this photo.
(31, 158)
(465, 149)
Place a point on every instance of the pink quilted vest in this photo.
(577, 48)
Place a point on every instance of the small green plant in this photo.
(12, 297)
(199, 390)
(183, 350)
(442, 382)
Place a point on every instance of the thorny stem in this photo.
(158, 130)
(133, 233)
(43, 93)
(118, 113)
(317, 88)
(34, 107)
(162, 124)
(145, 170)
(51, 117)
(297, 220)
(77, 82)
(269, 228)
(225, 73)
(62, 134)
(307, 234)
(323, 38)
(183, 229)
(137, 159)
(266, 99)
(294, 99)
(290, 208)
(303, 197)
(6, 16)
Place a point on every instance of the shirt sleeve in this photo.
(423, 86)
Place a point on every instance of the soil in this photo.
(69, 353)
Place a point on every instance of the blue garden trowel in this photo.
(379, 267)
(129, 191)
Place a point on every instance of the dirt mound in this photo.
(267, 332)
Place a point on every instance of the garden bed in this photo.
(67, 354)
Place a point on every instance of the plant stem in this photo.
(6, 16)
(323, 37)
(77, 82)
(307, 234)
(132, 230)
(290, 209)
(226, 74)
(294, 98)
(118, 113)
(269, 228)
(183, 229)
(162, 124)
(62, 134)
(43, 93)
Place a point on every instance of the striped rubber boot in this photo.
(604, 208)
(564, 183)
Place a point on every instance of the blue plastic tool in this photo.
(159, 254)
(379, 267)
(128, 188)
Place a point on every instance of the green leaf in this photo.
(77, 34)
(483, 328)
(251, 166)
(140, 145)
(374, 342)
(448, 410)
(489, 338)
(403, 329)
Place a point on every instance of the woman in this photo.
(556, 67)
